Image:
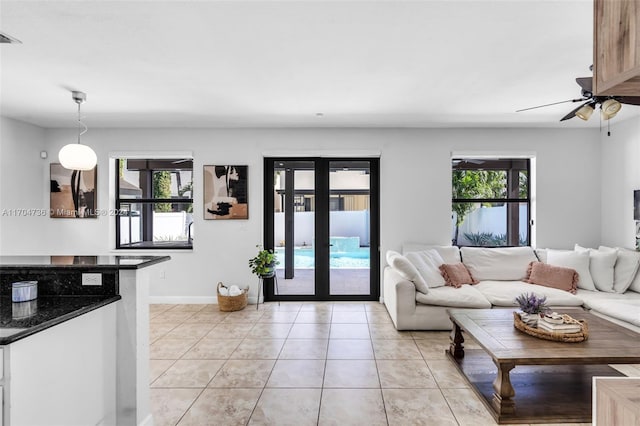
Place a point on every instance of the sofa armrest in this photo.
(399, 297)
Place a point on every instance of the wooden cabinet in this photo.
(616, 47)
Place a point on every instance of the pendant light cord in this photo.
(80, 123)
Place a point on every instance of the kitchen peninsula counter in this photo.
(87, 331)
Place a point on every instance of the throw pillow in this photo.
(406, 270)
(497, 263)
(601, 264)
(625, 268)
(428, 262)
(456, 274)
(574, 260)
(552, 276)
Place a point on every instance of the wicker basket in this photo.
(580, 336)
(232, 303)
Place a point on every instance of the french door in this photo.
(322, 219)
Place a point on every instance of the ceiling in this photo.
(198, 63)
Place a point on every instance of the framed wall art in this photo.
(225, 192)
(72, 193)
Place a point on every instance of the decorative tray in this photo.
(580, 336)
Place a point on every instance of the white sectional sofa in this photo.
(608, 285)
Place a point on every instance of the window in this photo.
(490, 202)
(154, 201)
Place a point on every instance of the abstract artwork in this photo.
(225, 192)
(73, 193)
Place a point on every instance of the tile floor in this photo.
(303, 364)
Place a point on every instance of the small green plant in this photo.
(532, 304)
(480, 238)
(264, 262)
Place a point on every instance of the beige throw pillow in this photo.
(456, 274)
(552, 276)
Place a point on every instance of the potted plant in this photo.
(531, 306)
(264, 263)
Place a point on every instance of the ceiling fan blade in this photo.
(586, 83)
(629, 100)
(573, 113)
(555, 103)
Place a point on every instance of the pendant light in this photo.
(76, 156)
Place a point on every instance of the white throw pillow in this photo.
(625, 269)
(574, 260)
(406, 270)
(601, 266)
(499, 263)
(428, 262)
(450, 254)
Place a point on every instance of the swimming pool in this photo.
(304, 258)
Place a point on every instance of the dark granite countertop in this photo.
(19, 320)
(79, 262)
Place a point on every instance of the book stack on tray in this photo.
(557, 323)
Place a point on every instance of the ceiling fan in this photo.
(609, 105)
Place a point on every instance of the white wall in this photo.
(415, 189)
(620, 177)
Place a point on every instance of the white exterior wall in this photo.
(415, 170)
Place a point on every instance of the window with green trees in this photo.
(490, 202)
(154, 202)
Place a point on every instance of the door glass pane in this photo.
(294, 227)
(349, 228)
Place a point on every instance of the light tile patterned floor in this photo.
(303, 364)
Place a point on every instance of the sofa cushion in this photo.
(504, 293)
(601, 267)
(541, 254)
(406, 270)
(625, 269)
(635, 284)
(466, 296)
(428, 262)
(456, 274)
(503, 263)
(574, 260)
(627, 310)
(589, 296)
(552, 276)
(450, 254)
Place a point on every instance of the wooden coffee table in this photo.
(523, 379)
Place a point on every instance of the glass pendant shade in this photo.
(585, 112)
(610, 108)
(76, 156)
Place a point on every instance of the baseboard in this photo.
(177, 300)
(180, 300)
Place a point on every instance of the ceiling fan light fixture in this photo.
(610, 108)
(585, 112)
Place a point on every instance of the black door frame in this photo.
(322, 196)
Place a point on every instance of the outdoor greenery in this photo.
(491, 239)
(162, 189)
(472, 184)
